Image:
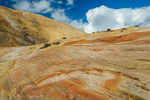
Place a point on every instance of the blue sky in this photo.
(88, 15)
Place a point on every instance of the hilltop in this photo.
(19, 28)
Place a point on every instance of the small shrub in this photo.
(143, 87)
(141, 59)
(56, 43)
(135, 78)
(64, 38)
(45, 45)
(108, 30)
(122, 30)
(136, 26)
(25, 28)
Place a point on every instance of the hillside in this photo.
(99, 66)
(19, 28)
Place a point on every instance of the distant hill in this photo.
(19, 28)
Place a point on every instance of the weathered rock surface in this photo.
(100, 66)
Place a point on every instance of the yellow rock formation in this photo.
(19, 28)
(100, 66)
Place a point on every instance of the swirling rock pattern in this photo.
(99, 66)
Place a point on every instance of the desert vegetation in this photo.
(64, 38)
(108, 30)
(56, 42)
(45, 45)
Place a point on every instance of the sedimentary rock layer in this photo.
(100, 66)
(116, 71)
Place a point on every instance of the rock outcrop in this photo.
(100, 66)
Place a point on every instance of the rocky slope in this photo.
(100, 66)
(19, 28)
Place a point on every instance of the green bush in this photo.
(64, 38)
(56, 43)
(124, 28)
(45, 45)
(136, 26)
(108, 30)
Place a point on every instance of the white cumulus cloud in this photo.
(70, 2)
(42, 6)
(99, 19)
(102, 18)
(60, 2)
(59, 14)
(78, 24)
